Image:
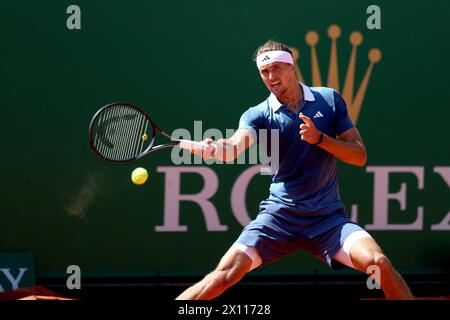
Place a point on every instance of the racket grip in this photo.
(195, 146)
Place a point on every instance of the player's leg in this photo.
(364, 253)
(238, 260)
(263, 240)
(360, 251)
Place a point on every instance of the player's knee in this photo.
(365, 262)
(379, 260)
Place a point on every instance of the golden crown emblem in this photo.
(354, 103)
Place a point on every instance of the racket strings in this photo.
(121, 133)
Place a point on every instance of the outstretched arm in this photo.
(228, 150)
(348, 147)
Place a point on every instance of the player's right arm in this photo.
(228, 150)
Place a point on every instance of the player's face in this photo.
(278, 77)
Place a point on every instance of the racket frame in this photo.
(185, 144)
(150, 147)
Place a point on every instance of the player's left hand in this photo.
(308, 131)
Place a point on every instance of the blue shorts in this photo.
(279, 230)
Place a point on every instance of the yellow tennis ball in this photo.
(139, 176)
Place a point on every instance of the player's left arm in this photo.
(348, 146)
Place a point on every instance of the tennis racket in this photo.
(121, 132)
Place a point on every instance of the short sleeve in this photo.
(252, 119)
(342, 120)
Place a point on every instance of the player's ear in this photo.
(291, 68)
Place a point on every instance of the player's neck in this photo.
(293, 98)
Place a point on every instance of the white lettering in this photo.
(14, 281)
(444, 225)
(239, 192)
(374, 280)
(173, 197)
(74, 20)
(373, 21)
(382, 196)
(74, 280)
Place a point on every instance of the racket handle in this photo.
(195, 145)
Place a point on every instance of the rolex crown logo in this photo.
(354, 102)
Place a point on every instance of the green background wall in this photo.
(183, 61)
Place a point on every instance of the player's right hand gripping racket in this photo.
(122, 132)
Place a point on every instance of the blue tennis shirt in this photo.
(306, 178)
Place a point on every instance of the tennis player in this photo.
(304, 209)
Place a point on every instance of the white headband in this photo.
(268, 57)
